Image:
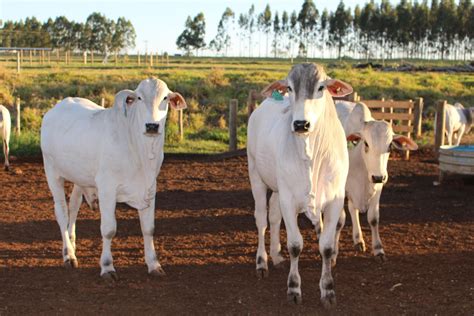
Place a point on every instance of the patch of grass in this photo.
(26, 144)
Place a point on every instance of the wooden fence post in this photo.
(84, 57)
(180, 125)
(18, 62)
(102, 102)
(251, 103)
(418, 117)
(233, 125)
(440, 126)
(353, 97)
(407, 152)
(18, 110)
(151, 59)
(138, 56)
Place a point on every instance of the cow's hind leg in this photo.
(357, 236)
(332, 214)
(339, 227)
(108, 228)
(75, 202)
(6, 153)
(56, 185)
(259, 192)
(275, 221)
(147, 224)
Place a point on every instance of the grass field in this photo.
(208, 85)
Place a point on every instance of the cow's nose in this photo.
(152, 128)
(379, 179)
(301, 126)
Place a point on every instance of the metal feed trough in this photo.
(456, 160)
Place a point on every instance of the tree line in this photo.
(98, 34)
(439, 29)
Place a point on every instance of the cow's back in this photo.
(265, 133)
(71, 137)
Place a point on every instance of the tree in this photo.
(265, 21)
(446, 18)
(222, 40)
(193, 35)
(339, 26)
(124, 35)
(276, 34)
(100, 31)
(324, 29)
(285, 25)
(307, 19)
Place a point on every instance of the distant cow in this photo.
(458, 122)
(115, 153)
(297, 149)
(5, 130)
(368, 160)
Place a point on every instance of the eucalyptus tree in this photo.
(265, 21)
(277, 30)
(339, 27)
(222, 41)
(307, 19)
(193, 35)
(285, 25)
(324, 30)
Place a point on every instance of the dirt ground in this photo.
(206, 240)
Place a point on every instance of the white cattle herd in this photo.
(308, 150)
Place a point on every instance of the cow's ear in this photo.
(124, 100)
(280, 86)
(354, 137)
(176, 101)
(338, 88)
(401, 142)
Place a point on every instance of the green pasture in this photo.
(208, 84)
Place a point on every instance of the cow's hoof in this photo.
(158, 272)
(262, 273)
(360, 247)
(110, 276)
(381, 258)
(281, 265)
(295, 298)
(329, 300)
(71, 264)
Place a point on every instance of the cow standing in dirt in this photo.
(115, 152)
(368, 173)
(297, 149)
(458, 122)
(5, 130)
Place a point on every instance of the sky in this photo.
(157, 23)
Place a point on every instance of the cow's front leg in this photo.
(275, 221)
(373, 218)
(339, 227)
(147, 224)
(108, 228)
(359, 243)
(332, 214)
(294, 244)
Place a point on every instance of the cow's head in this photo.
(309, 89)
(148, 104)
(375, 139)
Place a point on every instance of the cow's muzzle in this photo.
(152, 129)
(301, 126)
(379, 179)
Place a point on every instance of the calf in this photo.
(372, 142)
(114, 153)
(297, 149)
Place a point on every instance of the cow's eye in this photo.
(289, 89)
(139, 98)
(366, 146)
(165, 98)
(321, 88)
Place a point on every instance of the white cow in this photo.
(115, 153)
(5, 130)
(297, 149)
(368, 160)
(458, 122)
